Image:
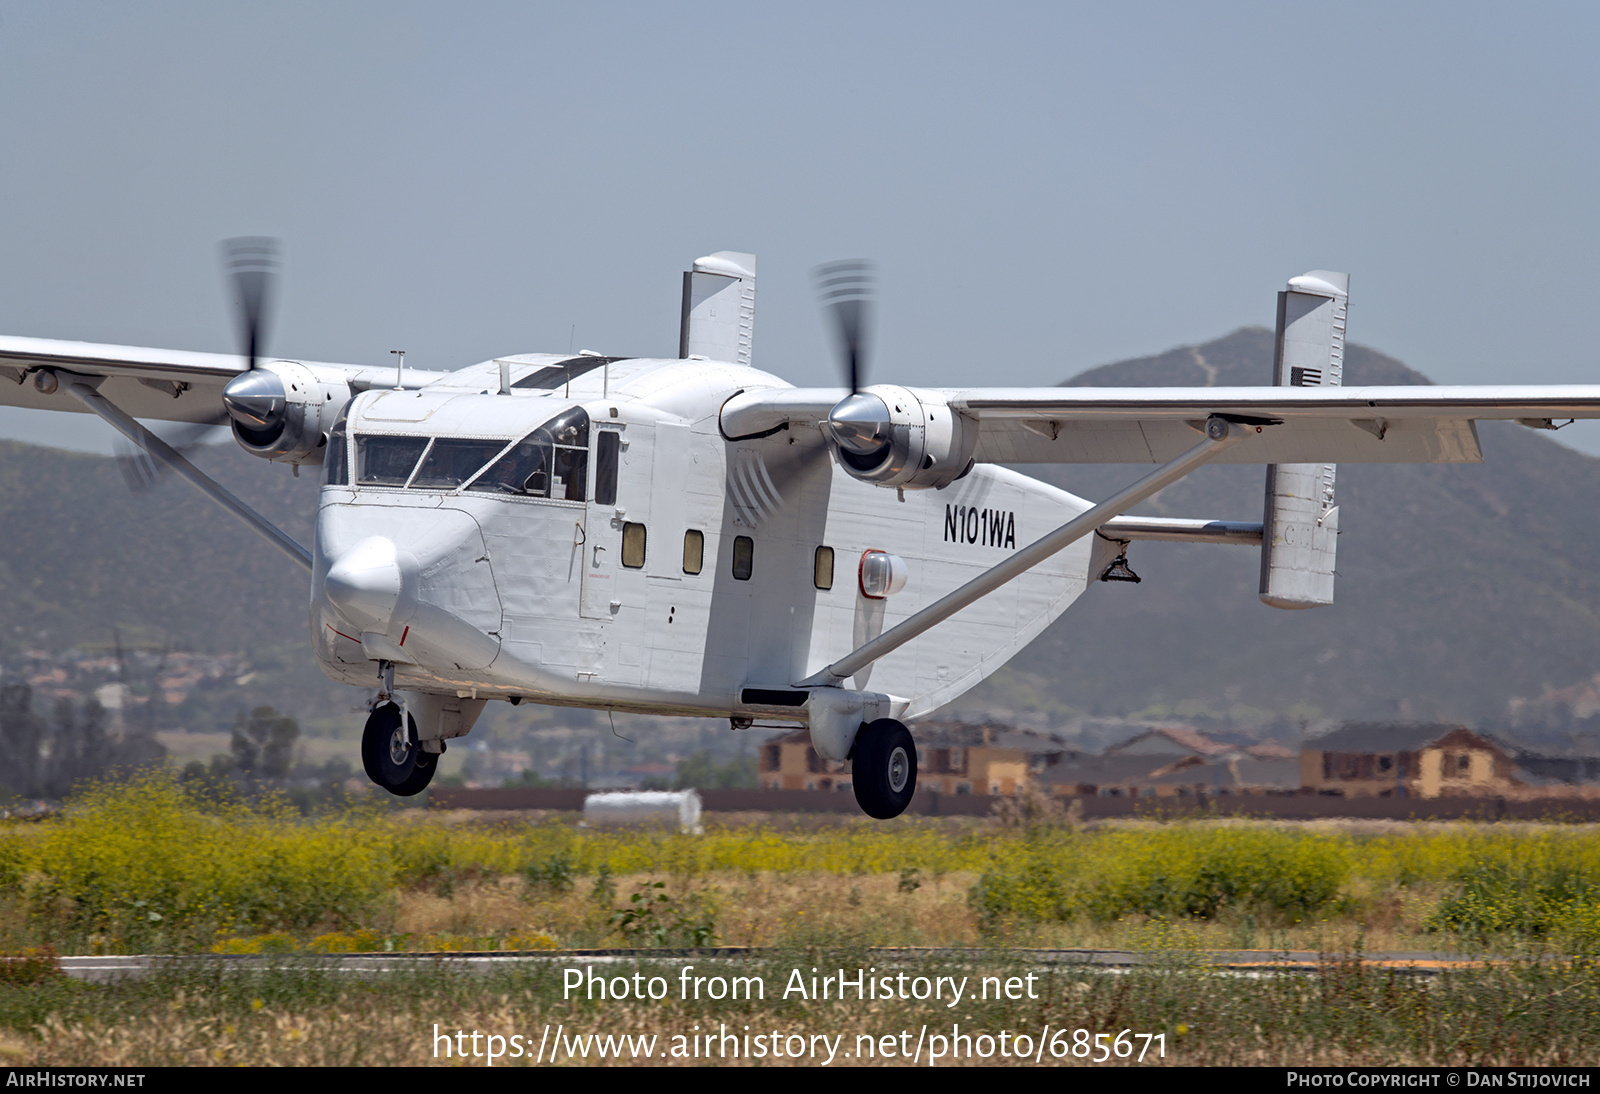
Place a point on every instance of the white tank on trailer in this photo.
(678, 809)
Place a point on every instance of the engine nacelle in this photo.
(283, 410)
(894, 436)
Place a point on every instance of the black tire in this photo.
(393, 759)
(883, 768)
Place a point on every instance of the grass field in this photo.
(147, 868)
(1524, 1013)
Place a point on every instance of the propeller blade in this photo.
(252, 266)
(845, 291)
(138, 470)
(142, 473)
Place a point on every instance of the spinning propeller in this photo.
(844, 289)
(142, 473)
(255, 398)
(860, 422)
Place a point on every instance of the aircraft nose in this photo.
(368, 583)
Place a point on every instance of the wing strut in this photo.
(81, 389)
(1220, 436)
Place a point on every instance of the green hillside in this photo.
(81, 554)
(85, 563)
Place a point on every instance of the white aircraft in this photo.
(696, 537)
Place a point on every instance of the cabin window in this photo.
(633, 537)
(744, 554)
(607, 455)
(335, 461)
(550, 462)
(694, 551)
(822, 568)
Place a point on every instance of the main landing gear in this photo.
(391, 753)
(883, 768)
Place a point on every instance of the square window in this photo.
(744, 554)
(633, 537)
(694, 551)
(822, 568)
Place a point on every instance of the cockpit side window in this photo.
(335, 465)
(550, 462)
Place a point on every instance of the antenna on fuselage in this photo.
(400, 369)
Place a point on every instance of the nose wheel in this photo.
(391, 754)
(883, 768)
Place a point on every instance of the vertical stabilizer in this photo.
(719, 308)
(1300, 526)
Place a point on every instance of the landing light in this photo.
(882, 574)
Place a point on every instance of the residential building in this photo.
(1368, 759)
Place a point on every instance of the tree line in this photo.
(46, 754)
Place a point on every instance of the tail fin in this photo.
(719, 308)
(1300, 526)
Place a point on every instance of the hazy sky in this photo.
(1045, 187)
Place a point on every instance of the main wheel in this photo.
(390, 753)
(883, 768)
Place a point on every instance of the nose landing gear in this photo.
(883, 768)
(391, 754)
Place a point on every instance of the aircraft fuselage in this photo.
(592, 539)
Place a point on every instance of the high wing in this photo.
(159, 384)
(278, 410)
(1412, 424)
(1296, 424)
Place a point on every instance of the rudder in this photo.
(1300, 525)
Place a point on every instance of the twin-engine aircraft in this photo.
(694, 536)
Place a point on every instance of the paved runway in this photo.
(1238, 962)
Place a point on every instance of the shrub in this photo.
(1034, 889)
(1175, 872)
(1542, 887)
(146, 861)
(556, 873)
(654, 918)
(1198, 872)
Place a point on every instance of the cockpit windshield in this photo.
(451, 461)
(550, 462)
(387, 461)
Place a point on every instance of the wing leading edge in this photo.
(1153, 425)
(157, 384)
